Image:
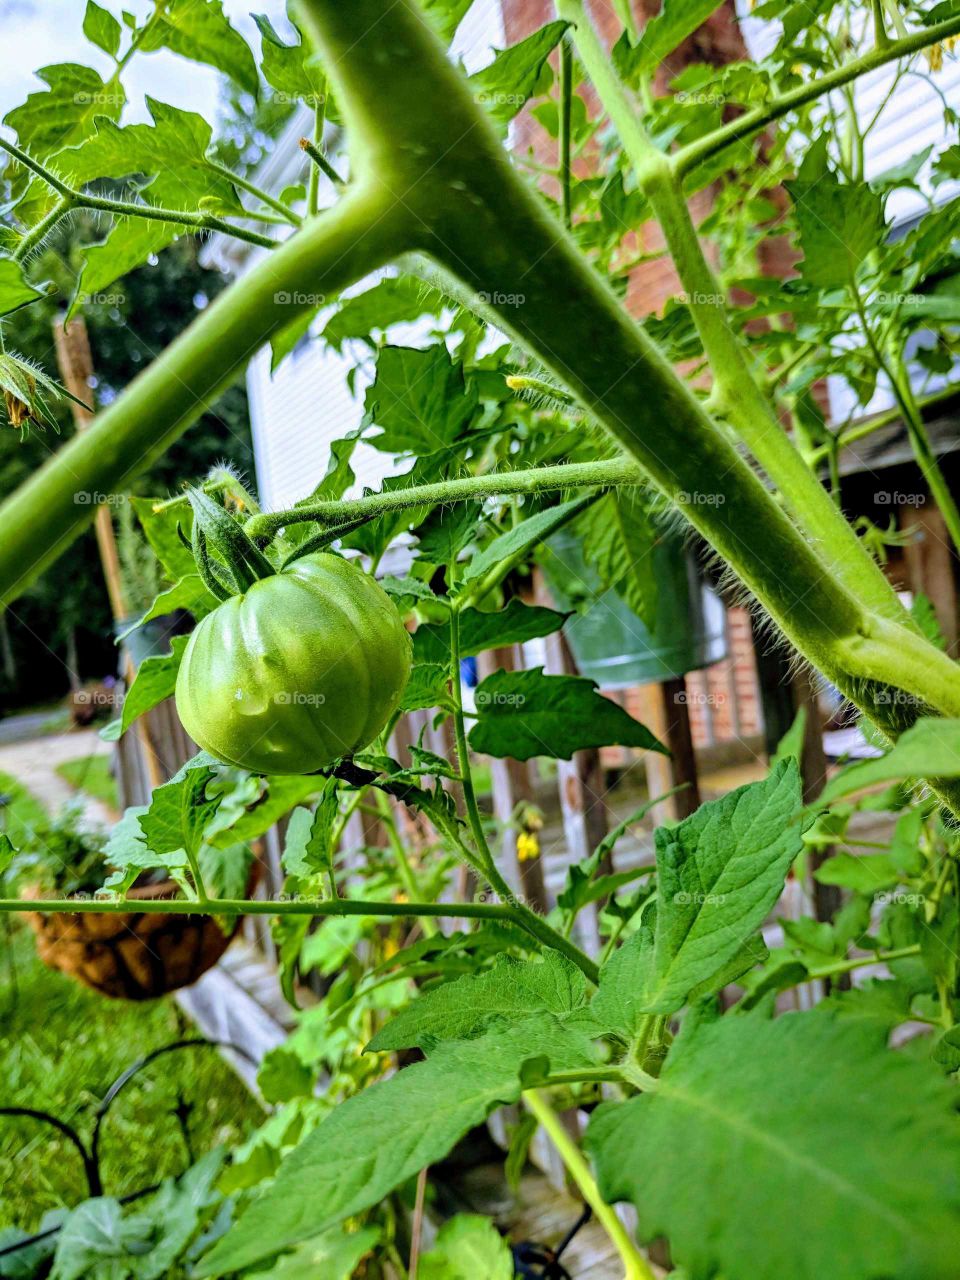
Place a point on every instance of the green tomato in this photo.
(305, 667)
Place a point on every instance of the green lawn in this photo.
(22, 812)
(92, 775)
(61, 1046)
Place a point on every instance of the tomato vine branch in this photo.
(695, 153)
(529, 481)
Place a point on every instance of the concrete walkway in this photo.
(34, 764)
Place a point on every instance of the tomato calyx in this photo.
(227, 559)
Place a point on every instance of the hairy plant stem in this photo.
(751, 122)
(251, 188)
(635, 1264)
(736, 386)
(73, 199)
(528, 481)
(38, 233)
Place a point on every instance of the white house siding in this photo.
(296, 412)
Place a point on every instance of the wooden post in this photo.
(76, 370)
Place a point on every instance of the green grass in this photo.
(92, 775)
(61, 1047)
(22, 813)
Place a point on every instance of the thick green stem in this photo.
(412, 119)
(751, 122)
(735, 384)
(635, 1265)
(529, 481)
(46, 513)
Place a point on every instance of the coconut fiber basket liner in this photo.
(132, 955)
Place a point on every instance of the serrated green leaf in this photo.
(308, 848)
(445, 533)
(391, 301)
(190, 593)
(525, 536)
(101, 28)
(719, 872)
(408, 588)
(928, 749)
(525, 713)
(179, 812)
(155, 680)
(625, 980)
(282, 793)
(419, 400)
(64, 114)
(619, 536)
(516, 74)
(839, 223)
(676, 20)
(427, 687)
(867, 874)
(761, 1128)
(333, 1255)
(290, 69)
(175, 145)
(160, 530)
(96, 1234)
(512, 989)
(202, 33)
(15, 291)
(382, 1136)
(480, 631)
(467, 1247)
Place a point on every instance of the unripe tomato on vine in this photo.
(295, 670)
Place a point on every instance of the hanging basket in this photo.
(132, 955)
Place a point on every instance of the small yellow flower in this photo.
(935, 57)
(528, 846)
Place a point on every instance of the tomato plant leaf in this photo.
(526, 713)
(719, 872)
(446, 531)
(281, 793)
(419, 400)
(525, 536)
(179, 812)
(156, 679)
(175, 145)
(96, 1234)
(101, 28)
(676, 20)
(512, 989)
(291, 70)
(839, 223)
(480, 631)
(190, 593)
(390, 301)
(467, 1247)
(427, 687)
(202, 33)
(619, 537)
(517, 73)
(308, 848)
(928, 749)
(863, 874)
(334, 1255)
(756, 1122)
(65, 112)
(160, 523)
(15, 291)
(369, 1144)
